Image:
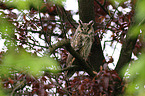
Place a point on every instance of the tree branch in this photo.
(128, 45)
(66, 16)
(59, 44)
(82, 62)
(102, 7)
(126, 52)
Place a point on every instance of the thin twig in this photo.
(18, 86)
(66, 16)
(62, 86)
(45, 35)
(102, 7)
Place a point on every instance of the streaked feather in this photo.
(81, 42)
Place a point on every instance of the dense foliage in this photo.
(36, 36)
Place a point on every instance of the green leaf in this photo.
(134, 31)
(137, 77)
(5, 26)
(140, 11)
(59, 2)
(23, 61)
(24, 4)
(118, 1)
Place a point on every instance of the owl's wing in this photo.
(75, 44)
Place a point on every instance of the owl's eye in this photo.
(85, 29)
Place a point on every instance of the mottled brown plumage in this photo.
(81, 42)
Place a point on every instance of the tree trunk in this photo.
(127, 49)
(86, 13)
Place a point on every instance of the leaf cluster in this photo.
(31, 34)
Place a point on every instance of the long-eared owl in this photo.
(81, 42)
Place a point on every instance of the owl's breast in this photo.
(86, 46)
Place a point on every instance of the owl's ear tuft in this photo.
(80, 22)
(91, 23)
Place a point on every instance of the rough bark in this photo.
(59, 44)
(129, 43)
(86, 13)
(126, 52)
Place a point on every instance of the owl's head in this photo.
(86, 27)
